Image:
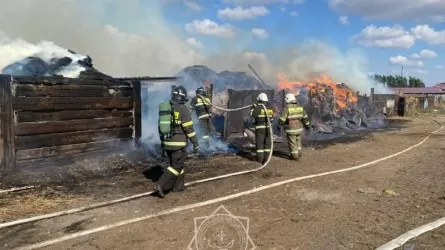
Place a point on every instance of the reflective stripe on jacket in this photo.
(201, 106)
(293, 117)
(183, 128)
(260, 116)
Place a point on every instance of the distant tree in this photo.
(398, 81)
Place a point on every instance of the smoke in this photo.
(46, 58)
(153, 46)
(152, 95)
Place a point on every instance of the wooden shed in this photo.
(45, 119)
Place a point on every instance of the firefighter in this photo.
(203, 112)
(175, 147)
(294, 118)
(262, 128)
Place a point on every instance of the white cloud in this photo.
(343, 20)
(294, 13)
(428, 34)
(385, 37)
(424, 54)
(260, 33)
(402, 60)
(439, 67)
(193, 6)
(240, 13)
(210, 28)
(394, 10)
(195, 43)
(283, 9)
(255, 2)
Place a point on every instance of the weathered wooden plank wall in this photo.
(7, 156)
(57, 118)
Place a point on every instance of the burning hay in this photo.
(332, 106)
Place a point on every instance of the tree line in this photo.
(398, 81)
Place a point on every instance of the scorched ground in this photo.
(355, 210)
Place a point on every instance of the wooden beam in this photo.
(49, 127)
(7, 125)
(72, 103)
(137, 114)
(32, 90)
(59, 80)
(57, 161)
(58, 139)
(30, 116)
(46, 152)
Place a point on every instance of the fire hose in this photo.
(133, 197)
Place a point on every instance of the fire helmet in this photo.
(290, 98)
(200, 91)
(262, 97)
(180, 94)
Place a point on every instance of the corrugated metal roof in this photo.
(440, 85)
(427, 90)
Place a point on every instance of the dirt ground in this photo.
(361, 209)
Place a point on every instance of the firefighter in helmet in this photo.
(262, 128)
(203, 111)
(175, 147)
(294, 119)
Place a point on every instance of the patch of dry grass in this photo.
(13, 206)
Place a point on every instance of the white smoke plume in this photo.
(157, 48)
(152, 46)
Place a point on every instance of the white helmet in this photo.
(262, 97)
(290, 98)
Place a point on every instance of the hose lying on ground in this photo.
(17, 189)
(133, 197)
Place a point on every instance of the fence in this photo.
(47, 119)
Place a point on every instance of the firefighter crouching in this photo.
(175, 146)
(262, 128)
(294, 118)
(203, 111)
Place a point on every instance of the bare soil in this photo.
(354, 210)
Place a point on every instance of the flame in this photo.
(320, 86)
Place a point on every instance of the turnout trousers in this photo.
(205, 128)
(173, 176)
(294, 143)
(263, 145)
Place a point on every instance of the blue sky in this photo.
(392, 33)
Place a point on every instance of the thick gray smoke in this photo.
(153, 47)
(152, 95)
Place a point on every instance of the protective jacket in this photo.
(258, 113)
(262, 131)
(294, 118)
(201, 106)
(182, 128)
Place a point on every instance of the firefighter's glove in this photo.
(195, 149)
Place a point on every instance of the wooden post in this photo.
(226, 114)
(7, 159)
(137, 114)
(210, 92)
(371, 100)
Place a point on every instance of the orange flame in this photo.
(343, 96)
